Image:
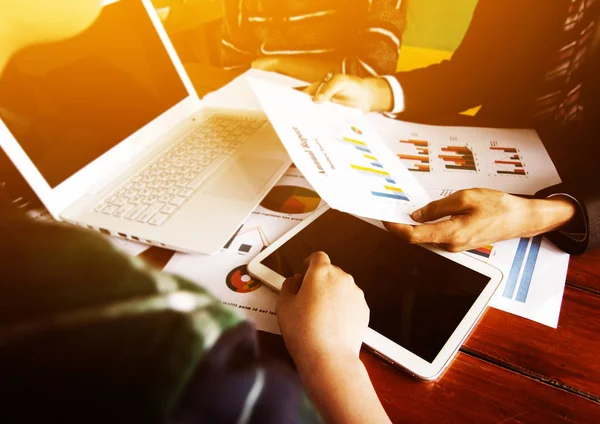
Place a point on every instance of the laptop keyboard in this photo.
(157, 191)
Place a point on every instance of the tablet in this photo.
(423, 301)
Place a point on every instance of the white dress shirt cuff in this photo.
(397, 93)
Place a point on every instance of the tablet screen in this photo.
(417, 298)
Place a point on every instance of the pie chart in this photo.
(291, 200)
(240, 281)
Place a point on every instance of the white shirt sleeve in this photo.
(397, 93)
(579, 237)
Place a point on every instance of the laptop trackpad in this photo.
(243, 178)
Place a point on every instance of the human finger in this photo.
(454, 204)
(439, 233)
(289, 290)
(292, 285)
(317, 267)
(327, 90)
(311, 89)
(317, 258)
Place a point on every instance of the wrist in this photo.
(382, 95)
(554, 213)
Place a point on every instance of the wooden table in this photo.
(510, 370)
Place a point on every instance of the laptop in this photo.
(107, 129)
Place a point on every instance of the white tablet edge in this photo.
(384, 347)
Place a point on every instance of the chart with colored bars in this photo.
(507, 160)
(483, 252)
(371, 167)
(416, 158)
(458, 158)
(521, 271)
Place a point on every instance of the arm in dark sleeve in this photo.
(379, 40)
(503, 42)
(580, 146)
(581, 179)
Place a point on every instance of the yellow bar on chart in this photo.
(370, 157)
(374, 171)
(351, 140)
(395, 189)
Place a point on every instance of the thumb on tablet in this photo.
(292, 285)
(317, 266)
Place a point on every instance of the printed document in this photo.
(341, 155)
(510, 160)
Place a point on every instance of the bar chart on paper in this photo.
(415, 155)
(387, 187)
(483, 252)
(534, 273)
(507, 160)
(367, 164)
(456, 157)
(521, 272)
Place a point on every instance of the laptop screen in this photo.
(69, 102)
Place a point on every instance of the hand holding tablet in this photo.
(423, 301)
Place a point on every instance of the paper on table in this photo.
(535, 273)
(225, 275)
(341, 155)
(513, 161)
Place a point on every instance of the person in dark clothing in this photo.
(306, 39)
(527, 64)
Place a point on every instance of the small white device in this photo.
(107, 129)
(424, 302)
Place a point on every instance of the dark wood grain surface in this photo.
(476, 391)
(565, 357)
(472, 390)
(584, 271)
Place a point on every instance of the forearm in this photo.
(342, 391)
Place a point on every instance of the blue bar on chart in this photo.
(515, 270)
(357, 144)
(534, 250)
(392, 193)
